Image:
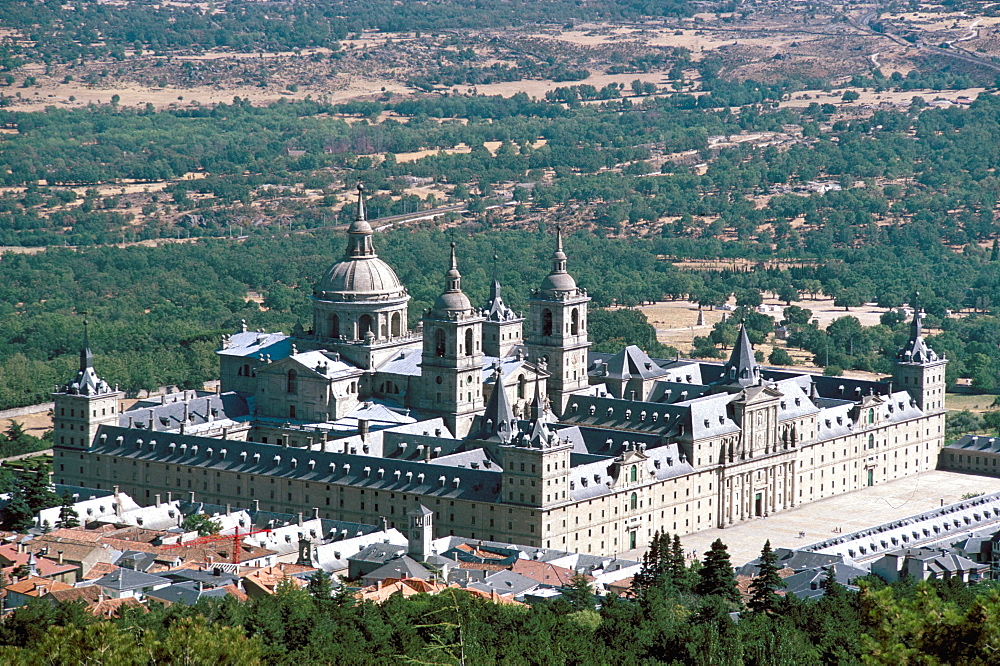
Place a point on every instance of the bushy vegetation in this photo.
(681, 616)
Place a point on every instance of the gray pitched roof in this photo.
(498, 421)
(420, 478)
(741, 369)
(187, 593)
(378, 553)
(402, 567)
(916, 350)
(506, 582)
(126, 579)
(633, 363)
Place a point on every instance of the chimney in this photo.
(256, 505)
(185, 411)
(163, 398)
(157, 496)
(363, 429)
(170, 497)
(225, 432)
(20, 547)
(191, 497)
(60, 553)
(384, 523)
(315, 513)
(152, 425)
(300, 519)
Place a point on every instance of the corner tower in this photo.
(919, 370)
(558, 330)
(83, 404)
(451, 370)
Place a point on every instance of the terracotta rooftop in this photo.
(33, 586)
(547, 574)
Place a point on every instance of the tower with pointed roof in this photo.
(359, 305)
(918, 369)
(502, 330)
(741, 370)
(451, 371)
(83, 404)
(558, 331)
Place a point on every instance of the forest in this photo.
(680, 615)
(158, 313)
(96, 29)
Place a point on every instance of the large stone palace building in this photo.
(505, 435)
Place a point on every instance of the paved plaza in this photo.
(847, 513)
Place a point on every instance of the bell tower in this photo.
(558, 330)
(452, 360)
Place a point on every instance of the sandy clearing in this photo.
(901, 98)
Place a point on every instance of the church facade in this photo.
(504, 434)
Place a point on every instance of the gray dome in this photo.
(366, 277)
(558, 282)
(452, 300)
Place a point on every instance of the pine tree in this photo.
(763, 588)
(995, 254)
(67, 516)
(677, 564)
(320, 586)
(716, 576)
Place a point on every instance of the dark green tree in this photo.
(716, 575)
(763, 588)
(579, 593)
(67, 516)
(38, 492)
(320, 586)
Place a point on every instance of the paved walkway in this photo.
(853, 511)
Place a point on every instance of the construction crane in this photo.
(236, 536)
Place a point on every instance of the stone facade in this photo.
(544, 443)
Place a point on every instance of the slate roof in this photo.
(123, 579)
(378, 553)
(796, 560)
(742, 369)
(975, 444)
(496, 309)
(401, 567)
(632, 363)
(187, 593)
(506, 582)
(205, 408)
(426, 478)
(252, 344)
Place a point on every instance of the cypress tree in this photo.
(648, 574)
(678, 565)
(763, 588)
(716, 575)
